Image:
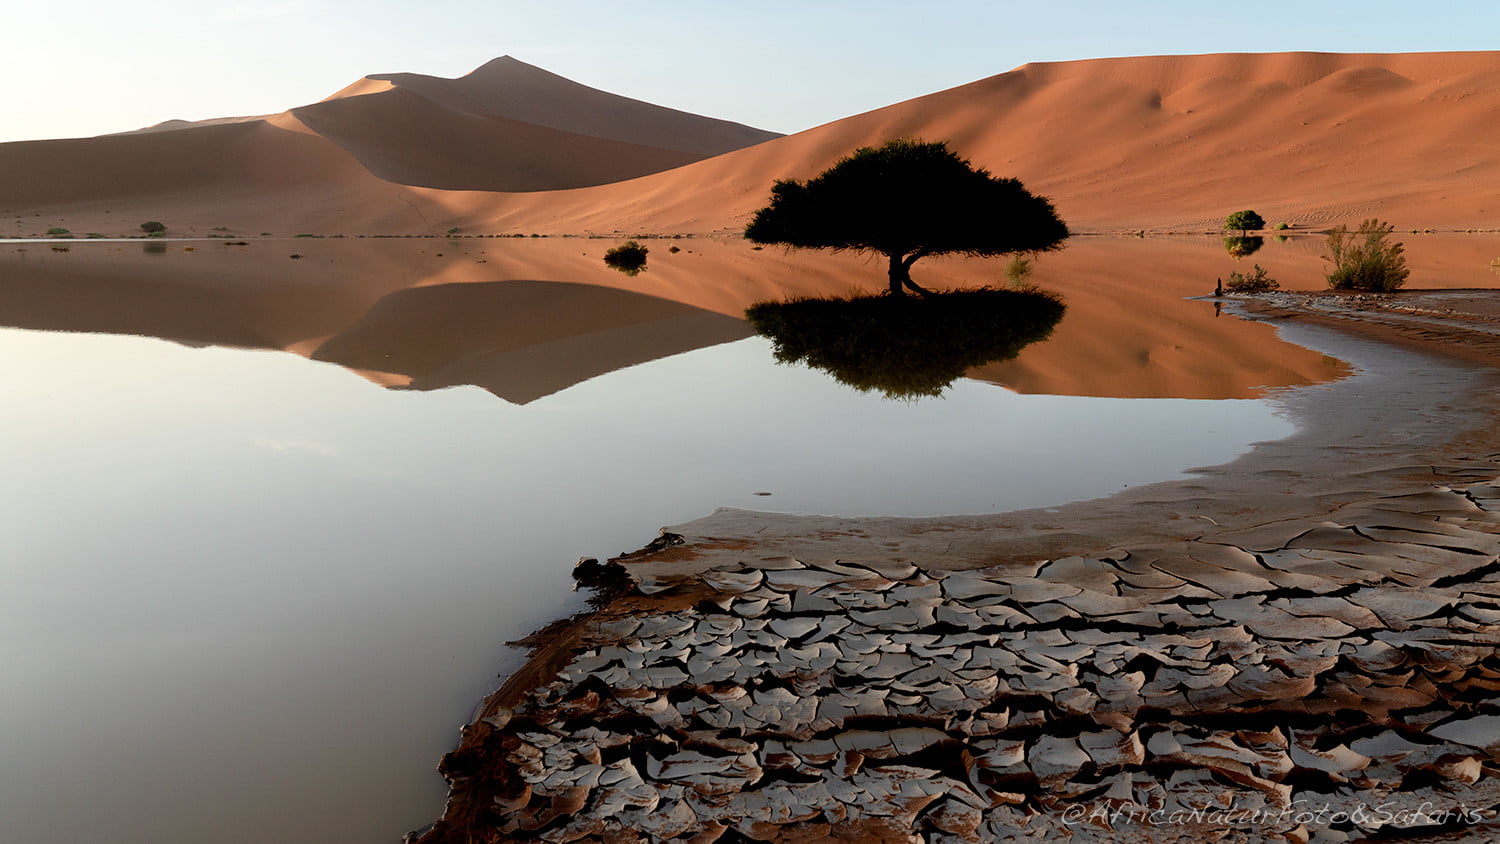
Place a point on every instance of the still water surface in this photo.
(247, 596)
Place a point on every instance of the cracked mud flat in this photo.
(1299, 645)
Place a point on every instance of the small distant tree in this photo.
(1366, 259)
(153, 226)
(1244, 222)
(906, 200)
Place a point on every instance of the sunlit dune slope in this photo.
(1161, 142)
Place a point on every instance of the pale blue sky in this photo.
(95, 66)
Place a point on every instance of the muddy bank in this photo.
(1296, 645)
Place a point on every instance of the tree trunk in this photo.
(900, 274)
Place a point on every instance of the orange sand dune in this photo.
(1162, 142)
(356, 161)
(1159, 143)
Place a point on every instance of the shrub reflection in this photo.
(1239, 247)
(906, 347)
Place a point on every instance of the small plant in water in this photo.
(1254, 282)
(1366, 259)
(629, 257)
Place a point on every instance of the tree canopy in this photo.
(908, 199)
(1244, 221)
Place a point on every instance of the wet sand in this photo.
(1296, 645)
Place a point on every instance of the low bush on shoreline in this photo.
(1255, 281)
(1365, 259)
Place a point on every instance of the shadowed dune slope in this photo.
(1159, 142)
(508, 87)
(392, 134)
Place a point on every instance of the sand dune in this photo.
(358, 160)
(508, 87)
(392, 134)
(1157, 143)
(1165, 142)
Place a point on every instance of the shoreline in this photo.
(1247, 565)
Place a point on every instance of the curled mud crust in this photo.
(1313, 662)
(1346, 666)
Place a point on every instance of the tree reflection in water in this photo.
(906, 347)
(1239, 247)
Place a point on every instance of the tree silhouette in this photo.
(906, 200)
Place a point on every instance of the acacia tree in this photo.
(1244, 222)
(906, 200)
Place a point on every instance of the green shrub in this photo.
(1365, 259)
(55, 230)
(153, 226)
(95, 235)
(1281, 227)
(453, 230)
(629, 257)
(1254, 282)
(1244, 221)
(157, 234)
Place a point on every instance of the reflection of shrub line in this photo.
(906, 347)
